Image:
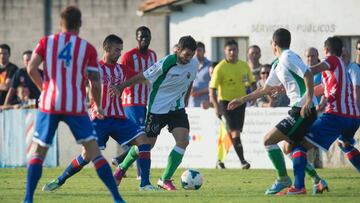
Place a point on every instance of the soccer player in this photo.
(135, 98)
(68, 60)
(289, 71)
(171, 79)
(115, 124)
(341, 118)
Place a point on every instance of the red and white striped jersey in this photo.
(66, 60)
(338, 89)
(111, 75)
(137, 95)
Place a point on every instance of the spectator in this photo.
(208, 104)
(22, 100)
(7, 70)
(253, 56)
(200, 89)
(264, 101)
(354, 71)
(21, 77)
(312, 58)
(229, 81)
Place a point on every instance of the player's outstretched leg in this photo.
(74, 167)
(102, 169)
(174, 161)
(277, 158)
(124, 166)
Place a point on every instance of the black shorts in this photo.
(294, 126)
(174, 119)
(234, 118)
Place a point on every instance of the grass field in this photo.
(219, 186)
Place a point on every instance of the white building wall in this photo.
(310, 22)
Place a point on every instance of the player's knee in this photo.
(287, 149)
(85, 155)
(40, 150)
(183, 143)
(267, 141)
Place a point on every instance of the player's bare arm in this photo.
(214, 100)
(118, 89)
(320, 67)
(187, 95)
(95, 90)
(309, 84)
(33, 70)
(266, 90)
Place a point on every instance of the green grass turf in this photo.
(229, 185)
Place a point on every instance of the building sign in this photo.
(306, 28)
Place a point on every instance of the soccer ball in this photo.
(191, 179)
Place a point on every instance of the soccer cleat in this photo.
(245, 165)
(149, 188)
(278, 186)
(50, 186)
(320, 187)
(166, 185)
(220, 165)
(292, 191)
(118, 175)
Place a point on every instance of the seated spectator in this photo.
(264, 101)
(21, 77)
(278, 98)
(22, 101)
(7, 70)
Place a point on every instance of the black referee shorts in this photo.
(234, 118)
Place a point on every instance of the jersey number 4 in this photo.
(65, 54)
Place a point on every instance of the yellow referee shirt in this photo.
(231, 79)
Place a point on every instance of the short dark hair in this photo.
(187, 42)
(200, 45)
(5, 46)
(231, 42)
(282, 38)
(335, 45)
(112, 39)
(254, 46)
(71, 16)
(27, 52)
(142, 29)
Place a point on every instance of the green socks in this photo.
(174, 161)
(277, 158)
(129, 159)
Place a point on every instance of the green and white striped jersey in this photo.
(289, 71)
(169, 84)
